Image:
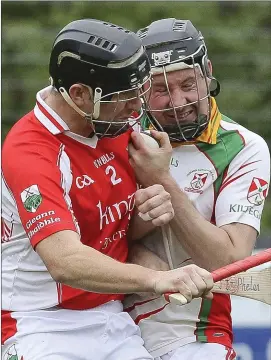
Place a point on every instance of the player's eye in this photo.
(191, 85)
(161, 89)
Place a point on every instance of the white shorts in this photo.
(102, 333)
(200, 351)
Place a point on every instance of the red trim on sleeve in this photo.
(228, 182)
(9, 326)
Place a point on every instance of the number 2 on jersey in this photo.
(110, 170)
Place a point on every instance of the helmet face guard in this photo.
(179, 51)
(110, 61)
(114, 127)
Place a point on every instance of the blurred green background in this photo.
(238, 36)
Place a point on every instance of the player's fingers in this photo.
(156, 205)
(199, 283)
(163, 219)
(195, 291)
(206, 276)
(137, 141)
(185, 291)
(164, 208)
(143, 195)
(162, 138)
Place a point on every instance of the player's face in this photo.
(121, 106)
(185, 89)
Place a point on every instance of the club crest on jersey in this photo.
(257, 191)
(198, 182)
(31, 198)
(11, 354)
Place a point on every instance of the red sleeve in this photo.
(39, 178)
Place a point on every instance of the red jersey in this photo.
(56, 180)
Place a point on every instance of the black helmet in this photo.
(171, 45)
(101, 55)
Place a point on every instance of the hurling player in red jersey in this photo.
(69, 194)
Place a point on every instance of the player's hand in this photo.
(154, 204)
(150, 165)
(191, 281)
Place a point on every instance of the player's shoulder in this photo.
(26, 134)
(29, 144)
(235, 131)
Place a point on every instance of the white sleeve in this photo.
(245, 186)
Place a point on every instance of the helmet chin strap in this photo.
(97, 103)
(96, 100)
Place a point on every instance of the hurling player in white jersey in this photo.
(69, 194)
(218, 184)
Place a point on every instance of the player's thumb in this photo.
(162, 138)
(209, 295)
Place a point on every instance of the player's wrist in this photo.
(150, 280)
(160, 177)
(168, 182)
(157, 281)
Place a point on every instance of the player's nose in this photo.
(177, 98)
(134, 103)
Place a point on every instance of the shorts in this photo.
(101, 333)
(200, 351)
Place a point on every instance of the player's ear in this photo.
(210, 67)
(213, 83)
(80, 94)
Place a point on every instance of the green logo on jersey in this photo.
(13, 357)
(11, 353)
(31, 198)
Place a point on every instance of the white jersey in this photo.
(227, 181)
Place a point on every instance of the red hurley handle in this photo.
(238, 266)
(242, 265)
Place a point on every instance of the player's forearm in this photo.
(90, 270)
(209, 246)
(72, 263)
